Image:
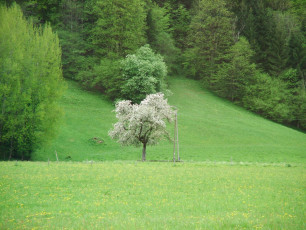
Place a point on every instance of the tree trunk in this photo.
(144, 151)
(11, 150)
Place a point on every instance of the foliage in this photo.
(195, 34)
(41, 11)
(298, 8)
(113, 30)
(210, 36)
(105, 77)
(109, 77)
(275, 36)
(299, 110)
(296, 101)
(270, 98)
(30, 83)
(142, 124)
(291, 78)
(268, 26)
(236, 74)
(72, 38)
(296, 56)
(179, 22)
(119, 28)
(143, 73)
(159, 36)
(73, 49)
(260, 31)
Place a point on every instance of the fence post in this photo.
(174, 139)
(177, 139)
(56, 156)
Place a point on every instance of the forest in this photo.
(251, 52)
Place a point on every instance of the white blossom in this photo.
(144, 123)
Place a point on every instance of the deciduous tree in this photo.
(143, 73)
(30, 83)
(142, 124)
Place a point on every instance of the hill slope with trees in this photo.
(251, 53)
(210, 128)
(201, 39)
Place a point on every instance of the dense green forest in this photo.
(30, 84)
(251, 52)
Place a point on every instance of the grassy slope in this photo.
(209, 129)
(215, 129)
(131, 195)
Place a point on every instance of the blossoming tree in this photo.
(142, 124)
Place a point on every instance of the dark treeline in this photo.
(251, 52)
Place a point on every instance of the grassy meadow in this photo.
(238, 171)
(136, 195)
(210, 129)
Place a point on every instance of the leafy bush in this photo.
(143, 73)
(105, 77)
(269, 97)
(234, 75)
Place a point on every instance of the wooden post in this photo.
(174, 139)
(56, 156)
(177, 139)
(48, 162)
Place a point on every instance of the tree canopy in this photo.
(143, 73)
(30, 83)
(142, 124)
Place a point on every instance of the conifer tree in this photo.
(160, 37)
(210, 36)
(234, 75)
(119, 28)
(180, 19)
(71, 33)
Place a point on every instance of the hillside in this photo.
(210, 128)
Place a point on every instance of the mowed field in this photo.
(152, 195)
(210, 129)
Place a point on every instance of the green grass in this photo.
(87, 115)
(210, 129)
(136, 195)
(215, 129)
(211, 189)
